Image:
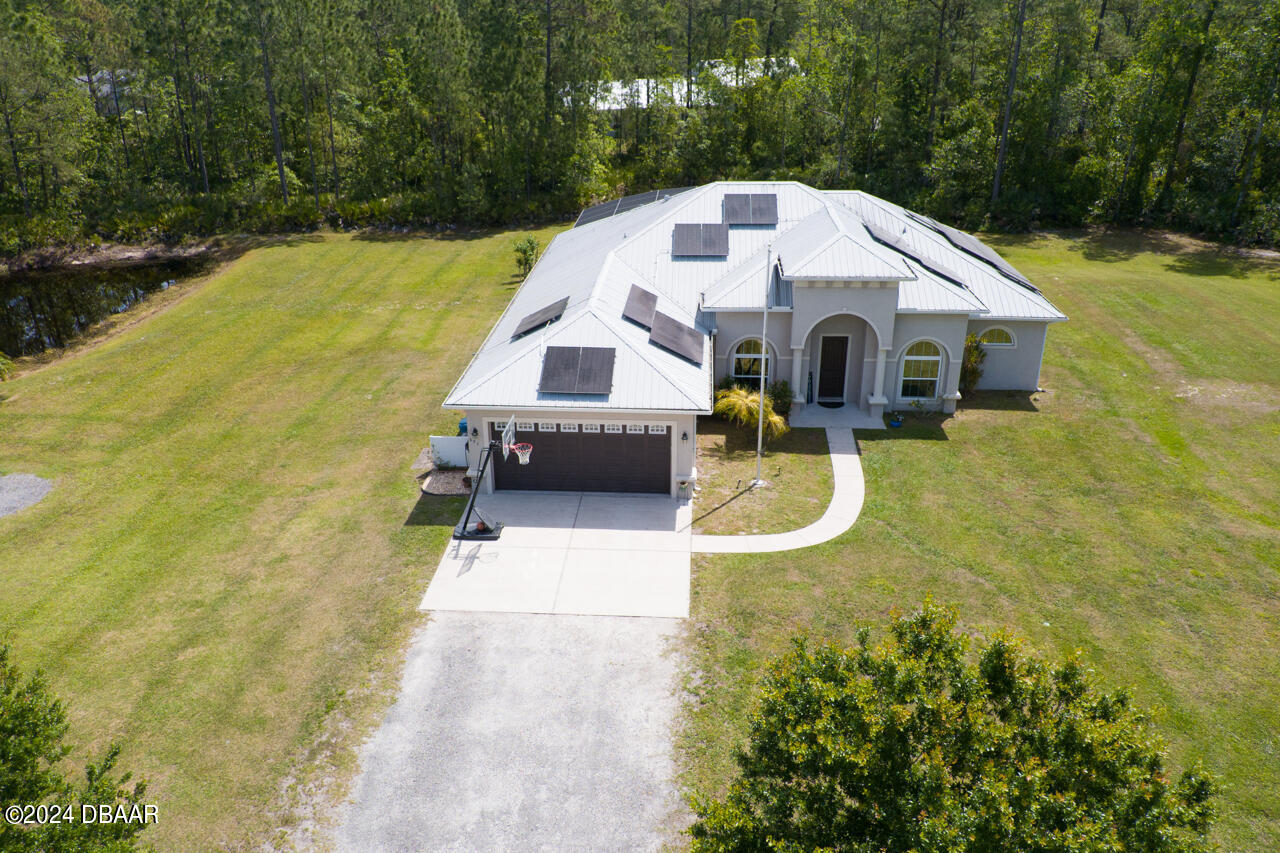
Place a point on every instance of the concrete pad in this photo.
(580, 553)
(522, 732)
(607, 583)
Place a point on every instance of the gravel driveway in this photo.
(524, 732)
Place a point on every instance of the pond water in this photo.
(47, 308)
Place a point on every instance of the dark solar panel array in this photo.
(621, 205)
(640, 306)
(670, 334)
(540, 318)
(753, 209)
(900, 245)
(577, 370)
(700, 240)
(974, 247)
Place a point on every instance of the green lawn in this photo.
(1130, 511)
(797, 468)
(223, 572)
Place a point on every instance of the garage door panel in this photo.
(588, 461)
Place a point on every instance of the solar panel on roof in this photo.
(670, 334)
(737, 209)
(900, 245)
(715, 239)
(540, 318)
(621, 205)
(974, 247)
(640, 306)
(764, 209)
(686, 239)
(577, 370)
(595, 372)
(751, 209)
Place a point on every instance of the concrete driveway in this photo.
(524, 733)
(572, 553)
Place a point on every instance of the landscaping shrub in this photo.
(916, 744)
(971, 364)
(742, 406)
(780, 396)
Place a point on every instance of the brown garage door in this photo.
(590, 458)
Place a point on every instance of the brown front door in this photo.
(831, 367)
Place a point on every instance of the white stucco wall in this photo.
(733, 327)
(946, 330)
(1015, 368)
(683, 456)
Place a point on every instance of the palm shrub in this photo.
(922, 743)
(6, 367)
(742, 406)
(971, 364)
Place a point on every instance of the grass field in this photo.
(796, 467)
(1131, 511)
(223, 571)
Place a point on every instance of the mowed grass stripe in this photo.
(224, 556)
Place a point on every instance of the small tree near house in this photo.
(526, 249)
(971, 364)
(919, 744)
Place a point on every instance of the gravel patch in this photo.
(19, 491)
(519, 732)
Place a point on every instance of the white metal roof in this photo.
(819, 235)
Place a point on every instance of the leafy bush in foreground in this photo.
(32, 726)
(915, 745)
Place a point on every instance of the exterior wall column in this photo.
(877, 400)
(952, 386)
(797, 374)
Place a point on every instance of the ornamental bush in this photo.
(971, 364)
(922, 744)
(33, 724)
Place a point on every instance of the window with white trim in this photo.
(747, 359)
(657, 429)
(613, 427)
(996, 337)
(591, 427)
(546, 427)
(633, 429)
(524, 426)
(568, 427)
(921, 370)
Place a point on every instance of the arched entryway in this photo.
(838, 363)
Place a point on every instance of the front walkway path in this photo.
(846, 504)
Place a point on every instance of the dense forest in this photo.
(155, 119)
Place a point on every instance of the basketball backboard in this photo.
(508, 437)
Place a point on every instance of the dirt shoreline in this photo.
(107, 254)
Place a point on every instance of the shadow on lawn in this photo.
(436, 511)
(915, 427)
(1000, 401)
(721, 505)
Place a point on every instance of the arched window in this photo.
(921, 369)
(747, 360)
(996, 337)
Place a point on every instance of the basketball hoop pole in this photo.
(492, 530)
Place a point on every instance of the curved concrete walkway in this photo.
(846, 504)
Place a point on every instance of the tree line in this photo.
(162, 118)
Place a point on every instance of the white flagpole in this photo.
(764, 361)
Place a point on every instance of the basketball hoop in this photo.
(523, 451)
